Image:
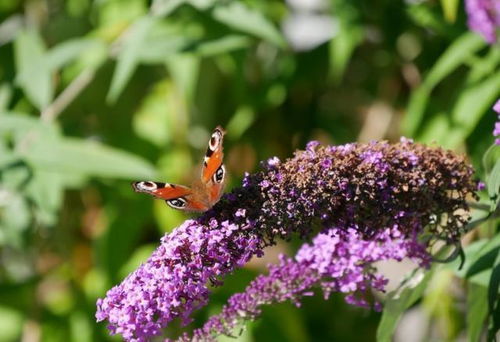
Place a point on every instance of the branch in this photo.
(68, 95)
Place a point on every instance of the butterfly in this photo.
(203, 193)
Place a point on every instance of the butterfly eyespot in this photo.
(215, 140)
(177, 203)
(148, 186)
(218, 176)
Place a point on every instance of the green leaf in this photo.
(485, 66)
(460, 51)
(398, 301)
(165, 39)
(424, 15)
(490, 157)
(475, 102)
(350, 34)
(221, 45)
(129, 56)
(416, 110)
(474, 252)
(494, 298)
(184, 70)
(161, 115)
(450, 8)
(166, 7)
(14, 173)
(15, 219)
(483, 262)
(5, 96)
(11, 323)
(81, 327)
(24, 129)
(87, 158)
(33, 71)
(139, 256)
(245, 19)
(493, 182)
(22, 123)
(46, 190)
(68, 51)
(240, 122)
(476, 311)
(479, 259)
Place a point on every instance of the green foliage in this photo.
(94, 94)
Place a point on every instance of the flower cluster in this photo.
(378, 198)
(338, 259)
(496, 131)
(172, 283)
(483, 17)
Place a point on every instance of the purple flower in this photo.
(337, 260)
(481, 186)
(378, 196)
(496, 130)
(483, 17)
(172, 283)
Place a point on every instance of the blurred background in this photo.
(95, 94)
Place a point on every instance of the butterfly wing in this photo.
(202, 196)
(176, 196)
(213, 172)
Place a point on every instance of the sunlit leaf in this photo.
(10, 324)
(66, 52)
(129, 56)
(476, 311)
(15, 173)
(455, 55)
(162, 115)
(494, 298)
(166, 7)
(166, 218)
(450, 8)
(46, 191)
(160, 51)
(87, 157)
(482, 67)
(22, 125)
(350, 34)
(398, 302)
(479, 258)
(34, 73)
(15, 219)
(436, 129)
(221, 45)
(81, 327)
(245, 19)
(490, 158)
(184, 71)
(138, 257)
(424, 15)
(416, 110)
(475, 101)
(494, 182)
(5, 96)
(165, 39)
(240, 122)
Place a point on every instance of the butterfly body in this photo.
(203, 193)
